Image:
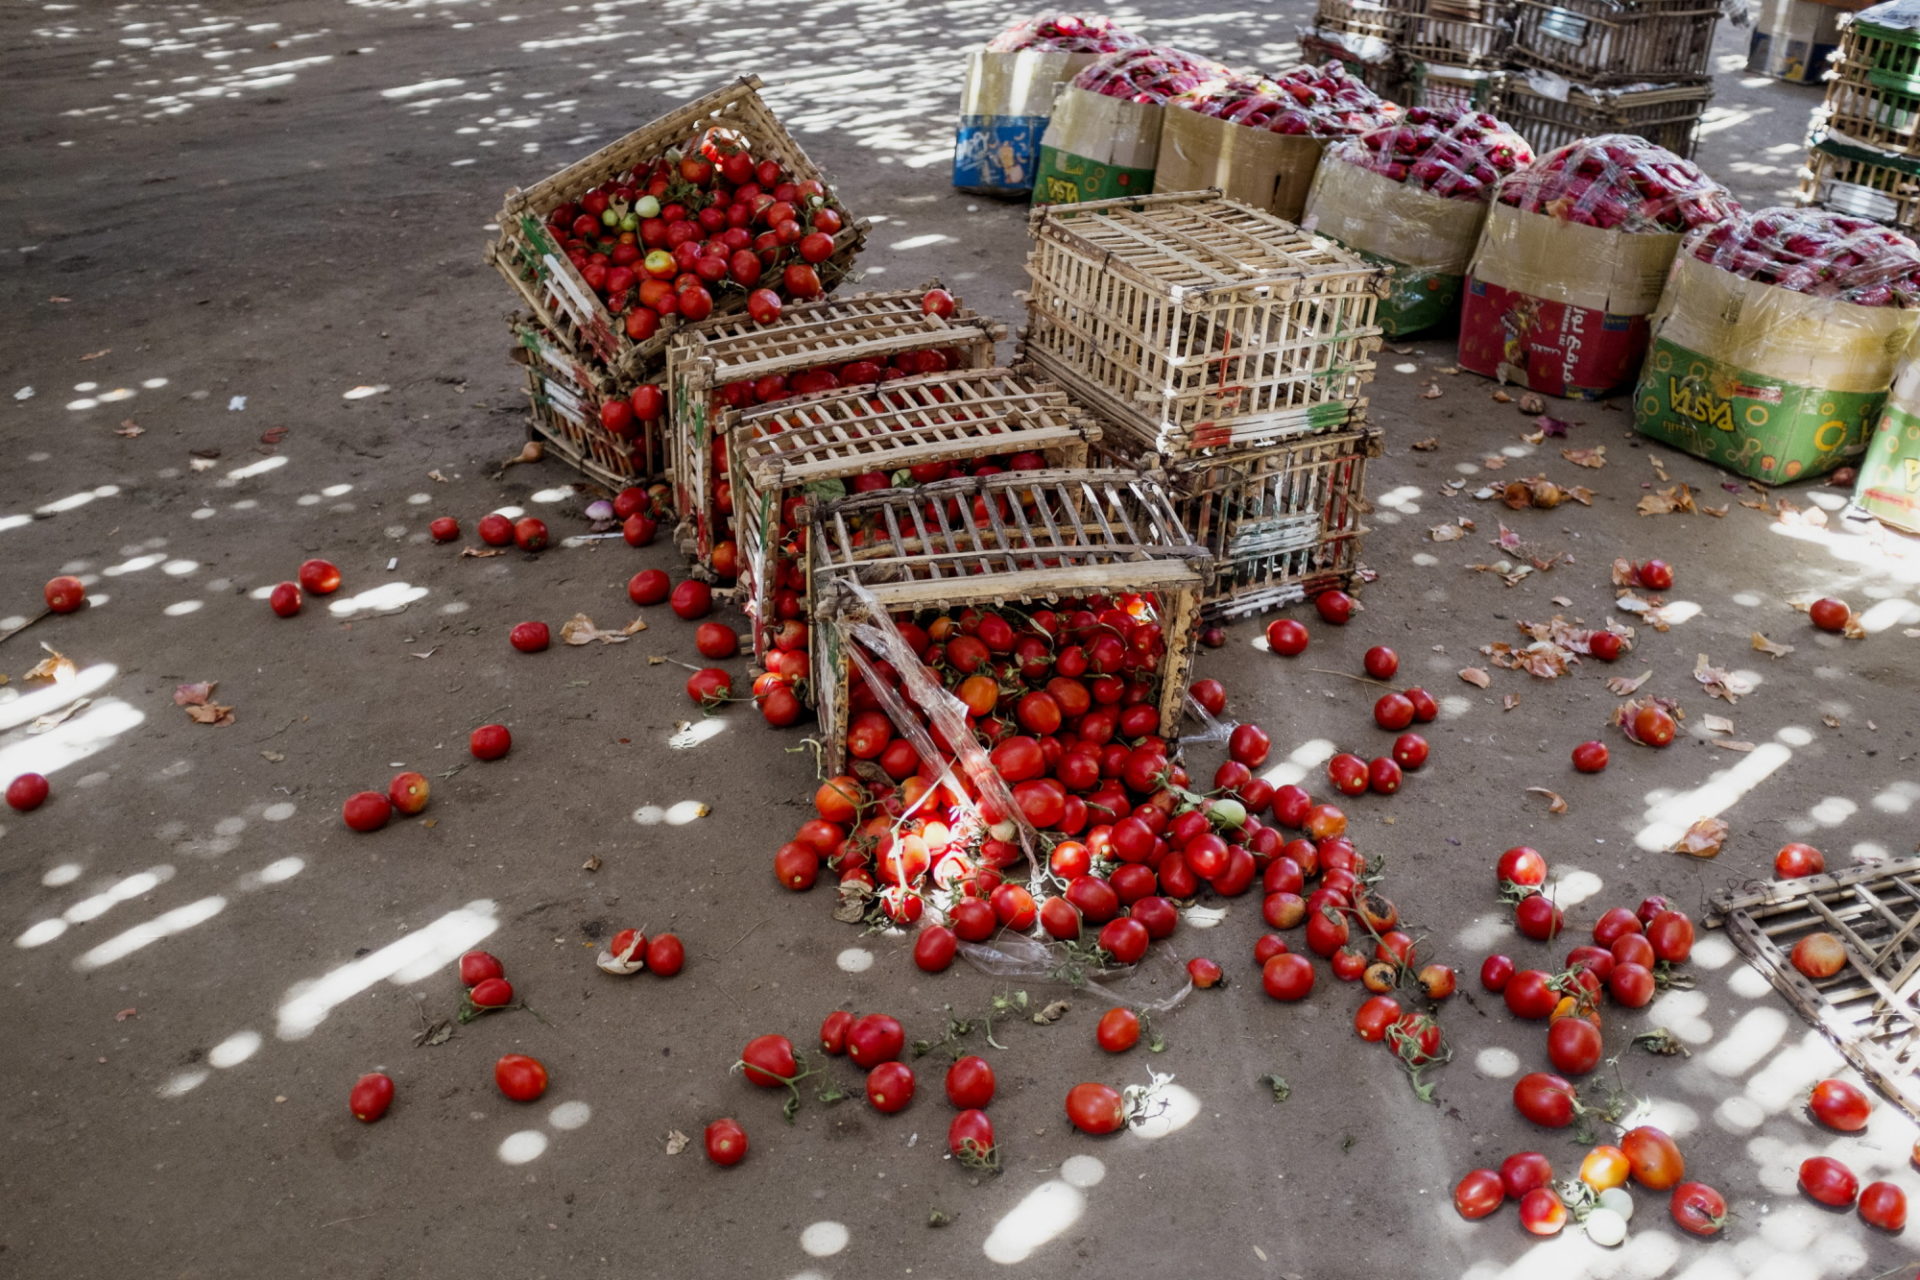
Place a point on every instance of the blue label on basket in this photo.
(997, 153)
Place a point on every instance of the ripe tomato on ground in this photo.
(520, 1077)
(970, 1082)
(1096, 1108)
(726, 1141)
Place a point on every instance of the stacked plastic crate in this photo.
(1589, 67)
(1229, 352)
(1864, 155)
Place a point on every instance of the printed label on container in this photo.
(1065, 178)
(1889, 485)
(1746, 422)
(997, 154)
(1551, 347)
(1417, 299)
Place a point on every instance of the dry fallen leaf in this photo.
(1501, 397)
(676, 1142)
(1678, 498)
(532, 451)
(1716, 724)
(1447, 532)
(210, 713)
(1052, 1013)
(1654, 615)
(129, 429)
(1771, 648)
(1623, 574)
(1719, 683)
(591, 864)
(1475, 676)
(1509, 701)
(1595, 457)
(1727, 745)
(124, 1014)
(1448, 369)
(1494, 462)
(194, 695)
(481, 553)
(272, 757)
(1703, 839)
(579, 629)
(1659, 467)
(1715, 512)
(56, 667)
(95, 355)
(1551, 426)
(1626, 687)
(1830, 720)
(1432, 392)
(1554, 803)
(54, 719)
(1426, 446)
(436, 477)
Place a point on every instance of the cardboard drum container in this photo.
(1777, 340)
(1572, 260)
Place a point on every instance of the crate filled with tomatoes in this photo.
(611, 432)
(708, 210)
(1025, 576)
(895, 436)
(725, 366)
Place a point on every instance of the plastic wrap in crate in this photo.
(1200, 323)
(1438, 35)
(1871, 108)
(815, 447)
(1038, 536)
(1862, 181)
(829, 331)
(530, 259)
(1461, 89)
(1283, 523)
(1616, 42)
(565, 393)
(1367, 59)
(1550, 113)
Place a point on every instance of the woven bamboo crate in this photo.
(1868, 1009)
(1107, 532)
(1617, 42)
(564, 393)
(827, 331)
(1667, 115)
(1446, 88)
(812, 447)
(1879, 57)
(1440, 38)
(1199, 322)
(1861, 110)
(1371, 19)
(1862, 181)
(1368, 59)
(527, 255)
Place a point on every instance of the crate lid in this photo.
(1192, 243)
(935, 418)
(1082, 532)
(821, 330)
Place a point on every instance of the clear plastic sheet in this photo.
(1150, 76)
(1313, 102)
(1899, 15)
(1158, 984)
(1618, 182)
(1453, 155)
(1812, 251)
(1065, 33)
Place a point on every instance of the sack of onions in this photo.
(1572, 259)
(1412, 196)
(1260, 140)
(1010, 87)
(1777, 341)
(1104, 137)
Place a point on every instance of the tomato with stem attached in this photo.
(768, 1061)
(1547, 1100)
(970, 1138)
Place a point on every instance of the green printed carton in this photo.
(1889, 485)
(1764, 381)
(1097, 148)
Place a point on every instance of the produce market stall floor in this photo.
(247, 323)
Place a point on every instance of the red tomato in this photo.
(875, 1039)
(934, 949)
(1542, 1212)
(1410, 751)
(1335, 607)
(28, 792)
(373, 1093)
(1538, 918)
(1653, 1158)
(1249, 744)
(1671, 934)
(285, 600)
(1574, 1045)
(1478, 1194)
(64, 594)
(1521, 865)
(1286, 637)
(1522, 1171)
(970, 1138)
(1590, 757)
(1795, 860)
(1884, 1205)
(1829, 1181)
(833, 1032)
(726, 1141)
(319, 578)
(768, 1061)
(1547, 1100)
(366, 810)
(1631, 984)
(666, 955)
(1495, 973)
(970, 1082)
(1096, 1108)
(477, 966)
(1287, 976)
(530, 637)
(1698, 1208)
(521, 1078)
(1829, 614)
(890, 1087)
(1118, 1030)
(1839, 1105)
(1204, 973)
(1370, 1023)
(1529, 994)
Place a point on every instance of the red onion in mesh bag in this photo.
(1619, 183)
(1066, 33)
(1151, 75)
(1811, 251)
(1455, 155)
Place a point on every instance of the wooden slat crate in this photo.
(1617, 42)
(1881, 57)
(827, 331)
(565, 392)
(527, 255)
(1109, 532)
(1437, 35)
(1386, 22)
(1283, 523)
(1861, 109)
(813, 446)
(1871, 1008)
(1862, 181)
(1200, 322)
(1667, 115)
(1445, 88)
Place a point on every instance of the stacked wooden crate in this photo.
(1229, 352)
(1864, 155)
(1365, 35)
(1454, 54)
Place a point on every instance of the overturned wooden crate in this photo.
(1200, 322)
(1667, 115)
(1010, 539)
(1283, 523)
(705, 359)
(1870, 1010)
(820, 447)
(564, 393)
(530, 258)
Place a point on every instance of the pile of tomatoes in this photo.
(1597, 1197)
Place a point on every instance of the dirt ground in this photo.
(255, 234)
